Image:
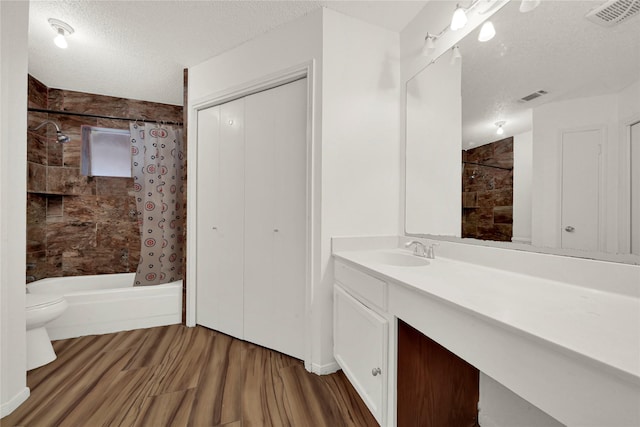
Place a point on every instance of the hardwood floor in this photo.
(178, 376)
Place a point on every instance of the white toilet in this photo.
(40, 310)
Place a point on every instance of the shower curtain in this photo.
(156, 165)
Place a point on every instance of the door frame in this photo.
(288, 75)
(602, 196)
(624, 176)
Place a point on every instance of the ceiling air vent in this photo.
(614, 12)
(533, 96)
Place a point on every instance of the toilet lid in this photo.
(42, 300)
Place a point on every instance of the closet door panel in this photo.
(221, 222)
(207, 195)
(291, 210)
(260, 293)
(275, 209)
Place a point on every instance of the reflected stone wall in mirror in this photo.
(572, 147)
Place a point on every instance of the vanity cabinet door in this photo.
(360, 348)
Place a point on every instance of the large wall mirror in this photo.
(563, 175)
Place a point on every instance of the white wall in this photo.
(354, 130)
(360, 126)
(548, 122)
(14, 19)
(522, 173)
(434, 132)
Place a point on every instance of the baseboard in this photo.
(525, 240)
(326, 369)
(17, 400)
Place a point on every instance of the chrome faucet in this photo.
(419, 249)
(431, 252)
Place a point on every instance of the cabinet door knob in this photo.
(569, 229)
(275, 230)
(376, 371)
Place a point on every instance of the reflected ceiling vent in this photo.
(614, 12)
(532, 96)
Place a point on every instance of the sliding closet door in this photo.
(220, 205)
(275, 218)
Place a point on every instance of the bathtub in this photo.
(108, 303)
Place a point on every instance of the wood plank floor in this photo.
(179, 376)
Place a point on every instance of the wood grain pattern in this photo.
(436, 388)
(178, 376)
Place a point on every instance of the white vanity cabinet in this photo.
(361, 338)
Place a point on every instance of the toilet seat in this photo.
(39, 301)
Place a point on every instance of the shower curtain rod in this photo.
(97, 116)
(489, 166)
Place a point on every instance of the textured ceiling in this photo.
(553, 48)
(138, 49)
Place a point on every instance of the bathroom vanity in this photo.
(566, 338)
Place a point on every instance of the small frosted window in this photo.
(106, 152)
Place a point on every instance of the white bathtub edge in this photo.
(74, 331)
(102, 310)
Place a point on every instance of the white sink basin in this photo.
(398, 259)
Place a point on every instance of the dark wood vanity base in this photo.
(436, 388)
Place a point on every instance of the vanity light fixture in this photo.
(487, 32)
(62, 29)
(459, 19)
(429, 44)
(455, 54)
(500, 125)
(528, 5)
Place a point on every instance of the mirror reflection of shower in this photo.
(60, 137)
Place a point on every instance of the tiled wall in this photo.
(79, 225)
(487, 191)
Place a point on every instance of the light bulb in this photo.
(60, 40)
(500, 131)
(428, 46)
(62, 30)
(459, 19)
(487, 32)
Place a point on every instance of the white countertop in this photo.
(601, 326)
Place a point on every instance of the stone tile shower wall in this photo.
(79, 225)
(487, 192)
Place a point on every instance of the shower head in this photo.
(60, 137)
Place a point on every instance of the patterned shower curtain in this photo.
(156, 165)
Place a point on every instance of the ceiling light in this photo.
(500, 125)
(528, 5)
(429, 44)
(487, 32)
(62, 29)
(459, 19)
(455, 54)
